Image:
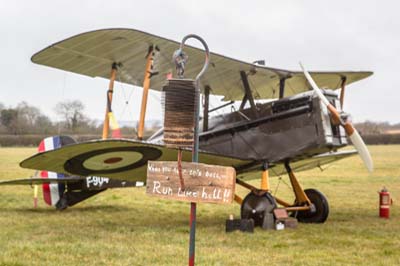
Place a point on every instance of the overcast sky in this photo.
(324, 35)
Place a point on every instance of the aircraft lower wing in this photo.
(127, 160)
(39, 181)
(116, 158)
(312, 162)
(297, 165)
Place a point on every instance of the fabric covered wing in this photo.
(93, 53)
(312, 162)
(301, 164)
(39, 181)
(115, 158)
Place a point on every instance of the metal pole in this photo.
(195, 152)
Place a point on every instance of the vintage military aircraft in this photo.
(299, 128)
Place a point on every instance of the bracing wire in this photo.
(126, 99)
(280, 179)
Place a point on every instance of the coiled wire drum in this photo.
(179, 102)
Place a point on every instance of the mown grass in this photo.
(126, 227)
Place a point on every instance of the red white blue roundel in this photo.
(110, 160)
(53, 192)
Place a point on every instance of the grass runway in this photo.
(126, 227)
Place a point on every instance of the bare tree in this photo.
(9, 119)
(28, 115)
(72, 113)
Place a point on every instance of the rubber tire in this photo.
(258, 217)
(321, 208)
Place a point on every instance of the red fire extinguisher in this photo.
(384, 203)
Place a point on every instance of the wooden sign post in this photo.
(202, 182)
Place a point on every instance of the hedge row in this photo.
(382, 139)
(34, 140)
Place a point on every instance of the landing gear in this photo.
(319, 210)
(310, 205)
(259, 206)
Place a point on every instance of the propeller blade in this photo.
(350, 130)
(362, 150)
(314, 86)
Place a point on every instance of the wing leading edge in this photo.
(92, 54)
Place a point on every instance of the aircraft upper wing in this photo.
(39, 181)
(92, 54)
(116, 158)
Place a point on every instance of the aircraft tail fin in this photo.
(53, 192)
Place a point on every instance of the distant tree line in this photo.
(26, 125)
(27, 119)
(376, 128)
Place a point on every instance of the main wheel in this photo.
(257, 206)
(319, 213)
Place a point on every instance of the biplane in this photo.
(285, 122)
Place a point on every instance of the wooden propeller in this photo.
(348, 127)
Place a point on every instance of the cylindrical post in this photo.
(192, 233)
(106, 124)
(146, 86)
(265, 178)
(195, 151)
(35, 196)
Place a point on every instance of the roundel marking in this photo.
(111, 160)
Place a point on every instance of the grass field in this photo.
(126, 227)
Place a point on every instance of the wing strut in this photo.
(106, 125)
(146, 86)
(206, 107)
(282, 87)
(343, 87)
(247, 94)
